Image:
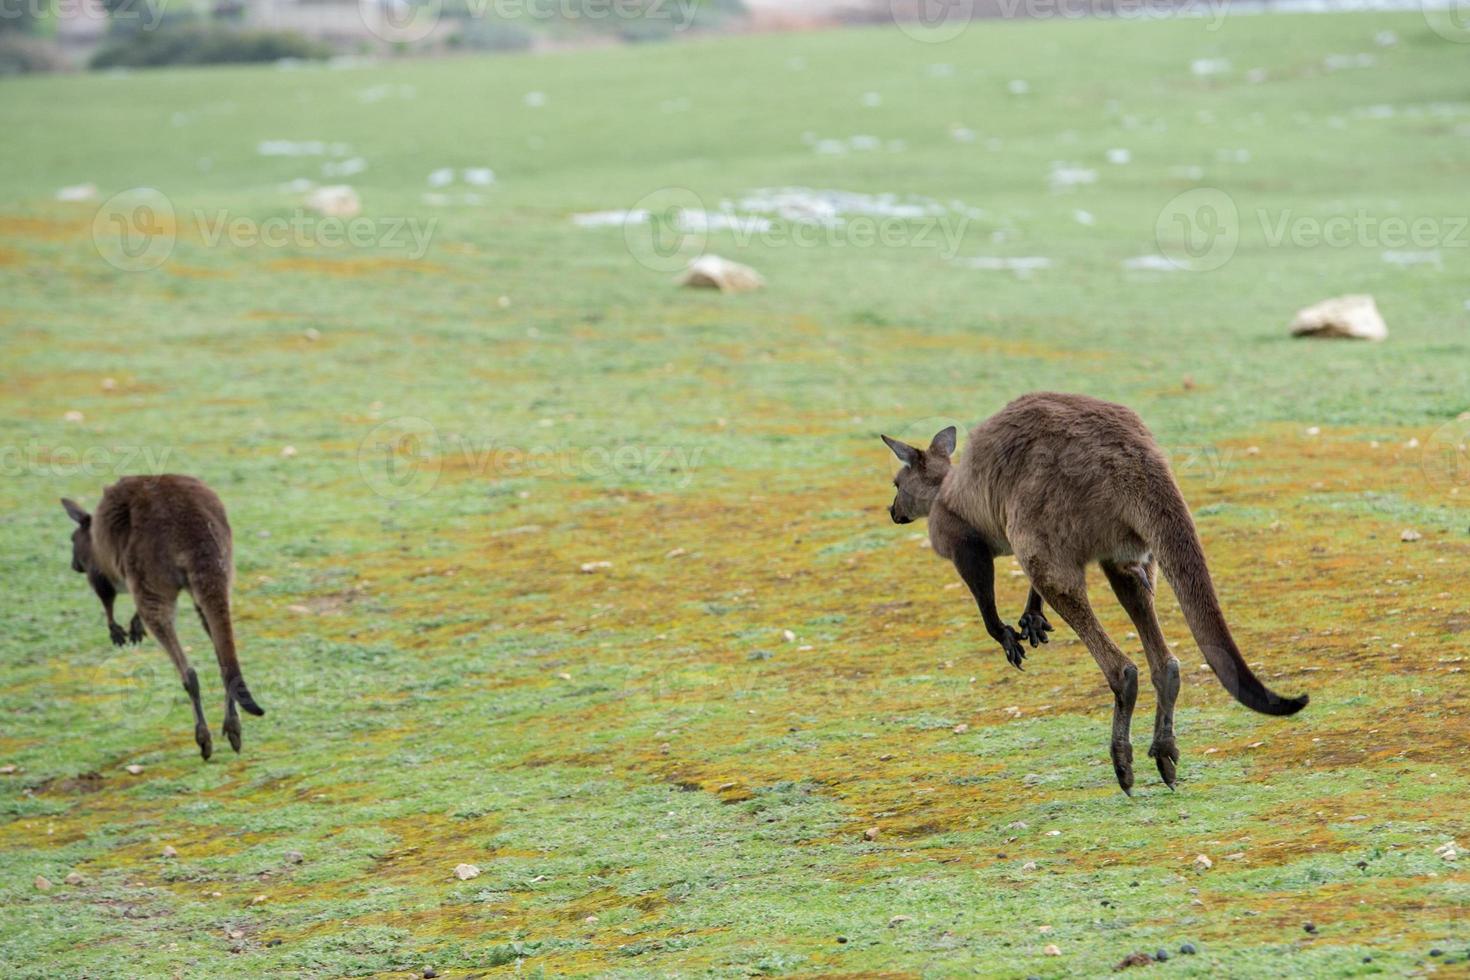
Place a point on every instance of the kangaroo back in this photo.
(1170, 533)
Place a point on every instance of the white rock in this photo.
(464, 872)
(595, 566)
(1203, 863)
(169, 851)
(1410, 535)
(714, 272)
(335, 201)
(1353, 317)
(77, 192)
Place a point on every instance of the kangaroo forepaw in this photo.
(1166, 754)
(1034, 628)
(118, 634)
(206, 744)
(136, 632)
(1123, 765)
(231, 729)
(1010, 642)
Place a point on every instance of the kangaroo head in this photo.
(81, 538)
(923, 471)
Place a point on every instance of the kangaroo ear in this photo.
(77, 514)
(943, 443)
(906, 454)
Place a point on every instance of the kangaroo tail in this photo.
(213, 598)
(1170, 532)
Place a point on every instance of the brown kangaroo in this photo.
(154, 536)
(1060, 481)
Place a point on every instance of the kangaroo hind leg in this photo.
(1128, 582)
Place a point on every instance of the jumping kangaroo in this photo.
(154, 536)
(1060, 481)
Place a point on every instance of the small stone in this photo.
(1029, 866)
(589, 567)
(464, 872)
(288, 451)
(169, 851)
(897, 920)
(430, 973)
(788, 636)
(715, 272)
(1436, 952)
(842, 939)
(1203, 863)
(273, 942)
(1161, 955)
(1052, 950)
(1410, 535)
(73, 416)
(133, 770)
(312, 334)
(871, 833)
(6, 770)
(42, 885)
(294, 857)
(75, 878)
(961, 728)
(236, 934)
(1310, 928)
(590, 920)
(258, 900)
(1188, 949)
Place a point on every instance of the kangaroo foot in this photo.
(206, 744)
(1166, 753)
(1010, 642)
(1034, 628)
(118, 634)
(1123, 765)
(136, 633)
(231, 729)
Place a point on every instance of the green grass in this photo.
(641, 743)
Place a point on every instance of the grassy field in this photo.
(668, 763)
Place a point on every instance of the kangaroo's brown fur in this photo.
(1060, 481)
(154, 536)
